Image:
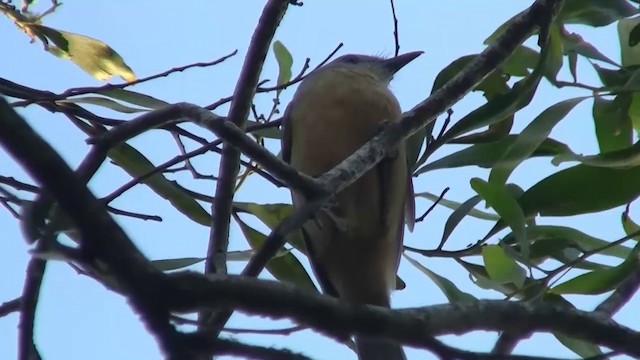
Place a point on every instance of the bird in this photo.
(354, 246)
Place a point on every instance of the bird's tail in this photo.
(379, 349)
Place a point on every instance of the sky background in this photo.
(78, 318)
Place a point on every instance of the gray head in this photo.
(383, 68)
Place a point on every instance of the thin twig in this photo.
(395, 28)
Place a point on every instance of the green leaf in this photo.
(556, 52)
(502, 106)
(574, 43)
(630, 54)
(488, 155)
(520, 61)
(503, 202)
(582, 348)
(599, 281)
(457, 215)
(271, 215)
(530, 139)
(136, 164)
(414, 145)
(634, 111)
(502, 268)
(530, 289)
(613, 128)
(494, 83)
(570, 237)
(595, 12)
(454, 205)
(619, 159)
(612, 78)
(104, 102)
(634, 36)
(571, 191)
(175, 264)
(135, 98)
(448, 288)
(286, 267)
(270, 133)
(91, 55)
(285, 62)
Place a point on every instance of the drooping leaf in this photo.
(573, 42)
(571, 191)
(271, 215)
(454, 205)
(135, 98)
(600, 281)
(530, 139)
(104, 102)
(488, 155)
(612, 124)
(136, 164)
(457, 215)
(285, 62)
(448, 288)
(285, 267)
(93, 56)
(503, 202)
(619, 159)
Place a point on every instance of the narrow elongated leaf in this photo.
(619, 159)
(134, 98)
(448, 288)
(285, 62)
(136, 164)
(488, 155)
(600, 281)
(530, 139)
(454, 205)
(504, 105)
(503, 202)
(104, 102)
(571, 191)
(613, 127)
(284, 268)
(457, 215)
(175, 264)
(271, 215)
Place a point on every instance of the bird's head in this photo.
(382, 68)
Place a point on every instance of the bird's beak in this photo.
(396, 63)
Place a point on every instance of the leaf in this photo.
(595, 12)
(600, 281)
(582, 348)
(448, 288)
(286, 267)
(488, 155)
(271, 215)
(530, 289)
(270, 132)
(574, 43)
(136, 164)
(530, 139)
(571, 191)
(613, 128)
(91, 55)
(135, 98)
(454, 205)
(457, 215)
(504, 105)
(175, 264)
(571, 237)
(104, 102)
(620, 159)
(503, 202)
(554, 62)
(502, 268)
(520, 61)
(285, 62)
(630, 54)
(634, 36)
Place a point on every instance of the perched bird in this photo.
(354, 246)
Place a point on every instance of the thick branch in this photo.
(413, 326)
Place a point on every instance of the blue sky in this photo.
(78, 317)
